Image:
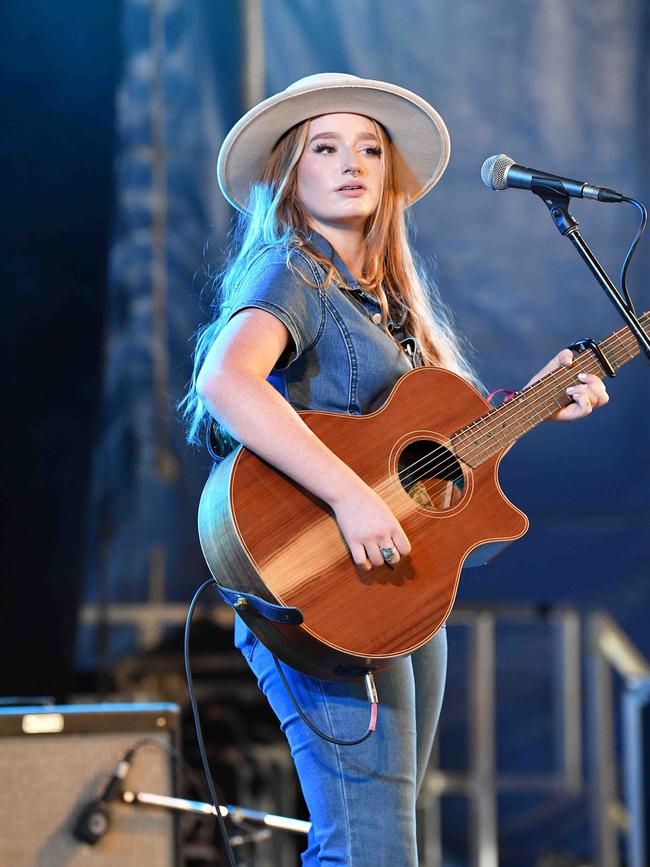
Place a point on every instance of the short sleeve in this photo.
(284, 290)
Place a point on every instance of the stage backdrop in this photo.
(562, 87)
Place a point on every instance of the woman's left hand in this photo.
(590, 394)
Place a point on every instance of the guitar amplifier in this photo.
(56, 763)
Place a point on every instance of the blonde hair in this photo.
(276, 218)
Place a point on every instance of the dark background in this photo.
(58, 72)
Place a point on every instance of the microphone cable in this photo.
(632, 250)
(193, 778)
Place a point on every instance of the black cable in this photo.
(196, 783)
(197, 724)
(316, 730)
(370, 689)
(192, 776)
(631, 251)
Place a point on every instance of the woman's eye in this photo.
(372, 151)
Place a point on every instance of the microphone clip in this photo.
(93, 823)
(95, 820)
(558, 206)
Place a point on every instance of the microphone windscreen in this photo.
(493, 171)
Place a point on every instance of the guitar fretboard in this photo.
(500, 427)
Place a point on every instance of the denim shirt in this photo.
(341, 358)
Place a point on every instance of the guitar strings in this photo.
(617, 341)
(590, 364)
(488, 438)
(451, 458)
(551, 378)
(430, 465)
(586, 363)
(446, 463)
(427, 466)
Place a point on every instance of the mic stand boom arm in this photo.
(237, 814)
(567, 225)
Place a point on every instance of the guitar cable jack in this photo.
(373, 698)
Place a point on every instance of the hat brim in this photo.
(416, 129)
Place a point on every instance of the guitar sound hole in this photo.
(431, 475)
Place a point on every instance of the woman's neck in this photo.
(348, 243)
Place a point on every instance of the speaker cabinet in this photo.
(56, 761)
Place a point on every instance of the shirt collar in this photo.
(323, 246)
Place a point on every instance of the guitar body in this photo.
(264, 534)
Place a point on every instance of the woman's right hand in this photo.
(233, 386)
(367, 524)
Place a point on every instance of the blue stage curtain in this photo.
(560, 86)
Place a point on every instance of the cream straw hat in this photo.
(415, 128)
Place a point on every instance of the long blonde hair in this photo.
(276, 218)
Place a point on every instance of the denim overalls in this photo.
(361, 799)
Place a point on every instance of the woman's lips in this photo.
(351, 190)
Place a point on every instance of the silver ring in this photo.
(388, 554)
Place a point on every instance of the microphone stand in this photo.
(567, 225)
(237, 814)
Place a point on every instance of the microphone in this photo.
(95, 821)
(500, 172)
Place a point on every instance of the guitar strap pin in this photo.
(241, 603)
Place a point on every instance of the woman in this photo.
(321, 307)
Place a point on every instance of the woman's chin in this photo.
(350, 218)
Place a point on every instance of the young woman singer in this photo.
(321, 306)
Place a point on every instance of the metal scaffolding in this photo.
(581, 709)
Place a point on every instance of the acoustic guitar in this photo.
(432, 452)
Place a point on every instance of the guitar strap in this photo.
(241, 602)
(218, 442)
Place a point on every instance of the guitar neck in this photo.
(501, 427)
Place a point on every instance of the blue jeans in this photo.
(361, 799)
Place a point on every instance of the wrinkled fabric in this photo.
(342, 359)
(361, 799)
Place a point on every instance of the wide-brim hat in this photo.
(415, 128)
